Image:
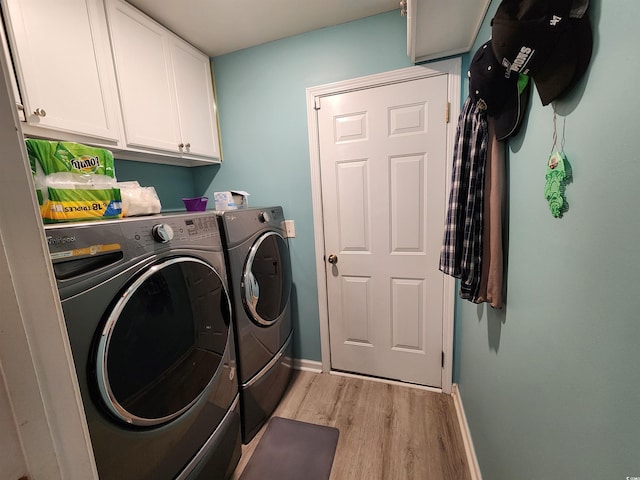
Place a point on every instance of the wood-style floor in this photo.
(387, 432)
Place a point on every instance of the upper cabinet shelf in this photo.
(440, 28)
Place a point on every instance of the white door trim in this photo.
(450, 67)
(40, 382)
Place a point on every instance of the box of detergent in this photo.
(73, 181)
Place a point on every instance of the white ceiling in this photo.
(222, 26)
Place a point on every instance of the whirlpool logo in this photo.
(54, 241)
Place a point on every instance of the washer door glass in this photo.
(266, 280)
(163, 342)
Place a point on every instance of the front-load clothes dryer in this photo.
(259, 270)
(148, 315)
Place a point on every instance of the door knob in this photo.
(333, 259)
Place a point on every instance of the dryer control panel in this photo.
(243, 223)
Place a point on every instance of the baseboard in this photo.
(472, 460)
(385, 380)
(307, 365)
(316, 367)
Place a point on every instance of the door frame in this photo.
(39, 383)
(450, 67)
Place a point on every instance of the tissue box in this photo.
(224, 201)
(240, 198)
(231, 200)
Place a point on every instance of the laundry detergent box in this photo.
(73, 181)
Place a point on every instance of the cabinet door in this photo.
(194, 93)
(145, 79)
(62, 60)
(12, 75)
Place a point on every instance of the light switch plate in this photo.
(289, 228)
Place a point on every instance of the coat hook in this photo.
(403, 7)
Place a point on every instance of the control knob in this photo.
(264, 217)
(162, 233)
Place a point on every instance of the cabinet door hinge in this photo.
(316, 103)
(447, 112)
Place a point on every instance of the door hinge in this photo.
(316, 103)
(442, 360)
(447, 112)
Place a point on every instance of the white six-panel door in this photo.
(383, 170)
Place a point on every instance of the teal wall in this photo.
(171, 183)
(551, 384)
(263, 120)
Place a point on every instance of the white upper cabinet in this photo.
(12, 78)
(441, 28)
(196, 105)
(63, 64)
(165, 86)
(145, 80)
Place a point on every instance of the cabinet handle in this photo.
(181, 146)
(40, 112)
(20, 106)
(188, 145)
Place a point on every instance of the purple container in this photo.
(197, 204)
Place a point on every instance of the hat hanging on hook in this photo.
(505, 98)
(549, 40)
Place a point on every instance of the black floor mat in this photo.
(293, 450)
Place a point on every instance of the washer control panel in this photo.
(177, 230)
(134, 236)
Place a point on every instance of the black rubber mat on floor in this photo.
(293, 450)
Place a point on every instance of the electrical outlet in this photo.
(289, 228)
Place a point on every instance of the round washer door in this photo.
(163, 342)
(266, 280)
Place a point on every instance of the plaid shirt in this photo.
(461, 254)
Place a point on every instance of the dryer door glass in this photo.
(164, 342)
(267, 279)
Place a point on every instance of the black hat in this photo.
(504, 94)
(549, 40)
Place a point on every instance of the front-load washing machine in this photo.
(149, 322)
(259, 270)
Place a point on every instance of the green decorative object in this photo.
(558, 172)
